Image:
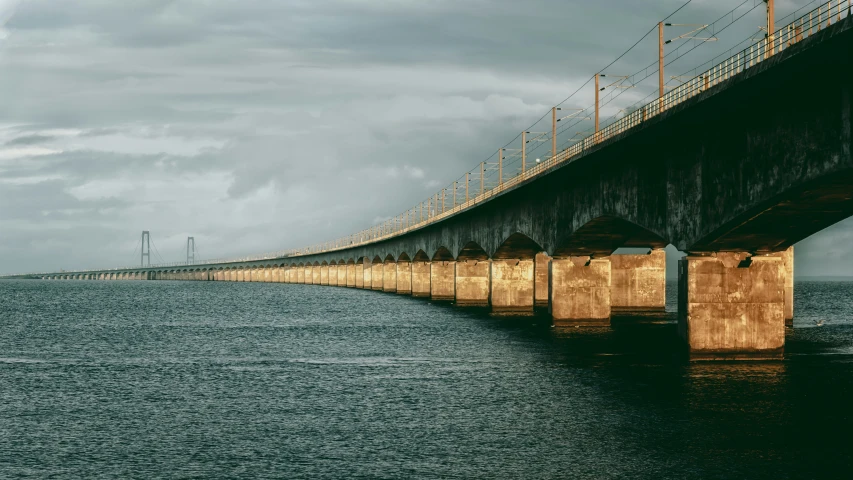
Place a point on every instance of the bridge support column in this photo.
(404, 277)
(324, 275)
(367, 275)
(377, 276)
(473, 283)
(580, 291)
(300, 274)
(420, 279)
(342, 275)
(333, 275)
(638, 282)
(389, 277)
(443, 280)
(541, 272)
(351, 274)
(512, 286)
(732, 306)
(315, 274)
(788, 264)
(359, 274)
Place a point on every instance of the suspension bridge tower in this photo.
(145, 251)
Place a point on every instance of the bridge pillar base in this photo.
(342, 275)
(389, 277)
(512, 287)
(377, 276)
(580, 291)
(472, 283)
(404, 278)
(359, 275)
(638, 282)
(351, 275)
(324, 275)
(421, 279)
(540, 293)
(732, 306)
(443, 280)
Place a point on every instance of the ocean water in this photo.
(238, 380)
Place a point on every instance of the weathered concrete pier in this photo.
(734, 173)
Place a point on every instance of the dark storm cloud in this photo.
(261, 125)
(29, 140)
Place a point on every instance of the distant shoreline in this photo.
(823, 279)
(803, 279)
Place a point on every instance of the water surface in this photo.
(240, 380)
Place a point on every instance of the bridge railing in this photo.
(436, 208)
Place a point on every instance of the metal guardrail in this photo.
(433, 210)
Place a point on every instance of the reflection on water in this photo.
(169, 379)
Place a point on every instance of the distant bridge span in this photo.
(734, 168)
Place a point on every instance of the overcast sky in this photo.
(259, 125)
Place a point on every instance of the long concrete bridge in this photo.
(733, 167)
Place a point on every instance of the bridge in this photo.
(733, 167)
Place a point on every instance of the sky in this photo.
(260, 125)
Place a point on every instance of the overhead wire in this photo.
(654, 94)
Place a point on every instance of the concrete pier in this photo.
(542, 271)
(359, 274)
(473, 283)
(404, 277)
(580, 291)
(324, 275)
(389, 276)
(333, 275)
(315, 275)
(638, 282)
(420, 279)
(512, 286)
(377, 274)
(443, 280)
(342, 275)
(732, 306)
(367, 275)
(351, 275)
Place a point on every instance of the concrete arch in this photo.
(404, 257)
(376, 259)
(351, 261)
(390, 259)
(781, 221)
(421, 256)
(324, 264)
(517, 246)
(601, 236)
(442, 254)
(472, 251)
